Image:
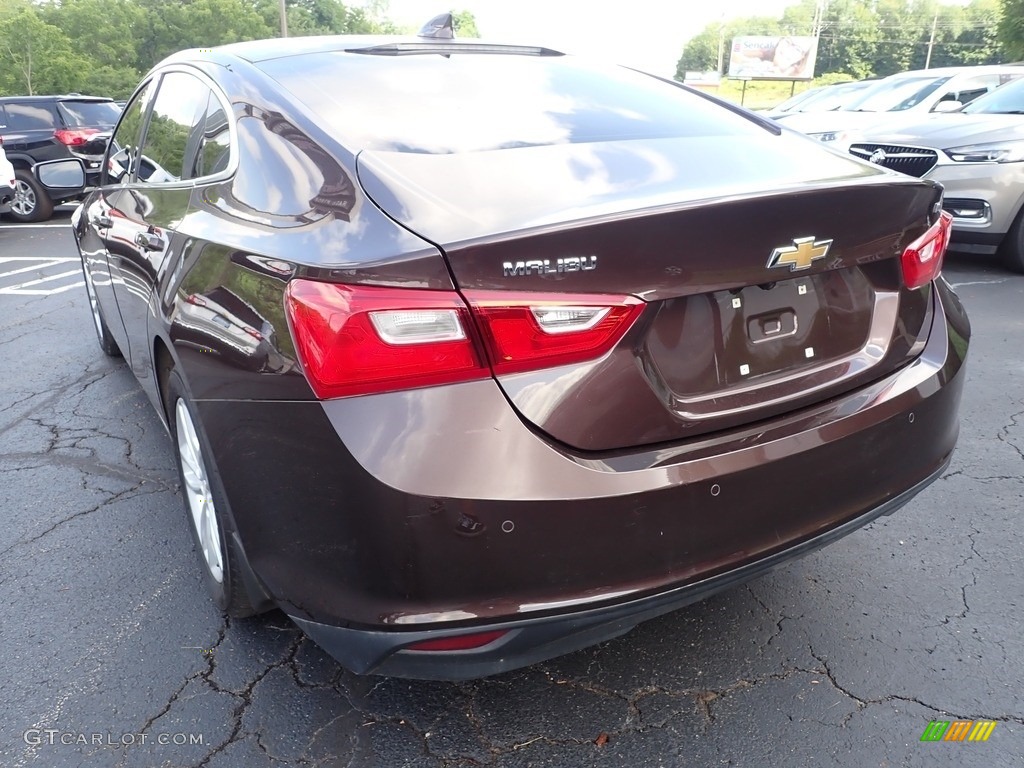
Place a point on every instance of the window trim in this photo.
(232, 166)
(105, 181)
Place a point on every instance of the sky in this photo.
(646, 34)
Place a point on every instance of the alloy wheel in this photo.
(24, 202)
(198, 492)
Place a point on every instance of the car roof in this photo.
(255, 51)
(64, 97)
(979, 69)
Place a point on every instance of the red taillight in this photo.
(74, 138)
(354, 340)
(459, 642)
(922, 259)
(528, 331)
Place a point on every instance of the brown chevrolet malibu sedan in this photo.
(473, 355)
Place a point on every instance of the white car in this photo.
(977, 154)
(6, 178)
(898, 96)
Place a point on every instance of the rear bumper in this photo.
(531, 641)
(436, 512)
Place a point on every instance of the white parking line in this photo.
(44, 263)
(22, 287)
(978, 282)
(36, 265)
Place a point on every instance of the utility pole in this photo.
(721, 48)
(931, 42)
(284, 20)
(820, 9)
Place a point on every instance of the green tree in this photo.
(465, 24)
(1011, 29)
(103, 31)
(172, 25)
(36, 57)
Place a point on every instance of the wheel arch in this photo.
(164, 360)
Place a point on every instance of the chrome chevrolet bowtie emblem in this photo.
(800, 254)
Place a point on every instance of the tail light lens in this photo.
(529, 331)
(922, 259)
(75, 138)
(356, 340)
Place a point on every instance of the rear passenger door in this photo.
(149, 206)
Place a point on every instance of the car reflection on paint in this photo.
(221, 323)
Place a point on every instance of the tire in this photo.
(1012, 248)
(30, 203)
(205, 503)
(106, 340)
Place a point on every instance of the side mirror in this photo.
(62, 176)
(947, 106)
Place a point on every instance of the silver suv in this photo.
(977, 154)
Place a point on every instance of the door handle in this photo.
(104, 222)
(150, 242)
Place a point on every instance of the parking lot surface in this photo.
(112, 654)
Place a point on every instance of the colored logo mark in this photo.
(958, 730)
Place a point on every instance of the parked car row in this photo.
(963, 128)
(825, 98)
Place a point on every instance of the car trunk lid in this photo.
(758, 302)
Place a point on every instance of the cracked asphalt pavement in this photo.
(108, 640)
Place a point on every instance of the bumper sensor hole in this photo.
(508, 526)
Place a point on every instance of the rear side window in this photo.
(31, 116)
(467, 102)
(178, 115)
(89, 114)
(213, 144)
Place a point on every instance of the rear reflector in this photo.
(355, 340)
(74, 138)
(922, 259)
(524, 332)
(458, 642)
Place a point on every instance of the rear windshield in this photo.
(89, 114)
(467, 102)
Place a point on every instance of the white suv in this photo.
(6, 178)
(899, 96)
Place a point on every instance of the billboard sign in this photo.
(773, 58)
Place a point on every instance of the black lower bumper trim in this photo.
(530, 641)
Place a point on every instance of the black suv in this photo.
(37, 128)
